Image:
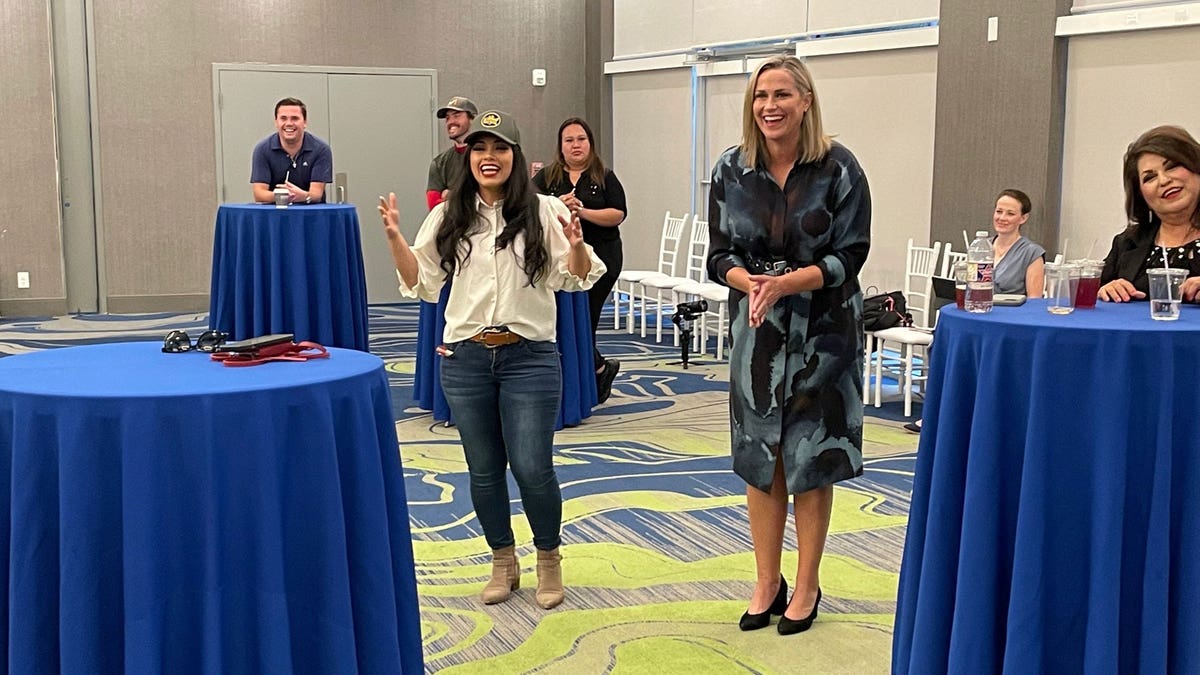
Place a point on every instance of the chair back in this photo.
(921, 264)
(697, 253)
(668, 246)
(949, 259)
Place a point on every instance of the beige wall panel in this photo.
(723, 100)
(30, 236)
(1118, 86)
(155, 107)
(652, 113)
(723, 21)
(641, 27)
(881, 106)
(835, 14)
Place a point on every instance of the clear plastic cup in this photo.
(1089, 283)
(1164, 292)
(960, 283)
(1060, 291)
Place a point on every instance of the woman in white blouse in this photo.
(507, 250)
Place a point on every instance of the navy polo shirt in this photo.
(270, 163)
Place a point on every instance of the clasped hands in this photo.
(765, 291)
(572, 202)
(295, 194)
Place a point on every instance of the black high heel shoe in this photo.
(792, 626)
(763, 619)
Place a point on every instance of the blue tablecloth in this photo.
(1055, 520)
(297, 270)
(162, 513)
(574, 329)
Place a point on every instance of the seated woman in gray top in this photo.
(1020, 263)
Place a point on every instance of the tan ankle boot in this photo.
(549, 573)
(506, 576)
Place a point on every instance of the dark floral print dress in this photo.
(795, 382)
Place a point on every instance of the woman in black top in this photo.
(1162, 202)
(592, 192)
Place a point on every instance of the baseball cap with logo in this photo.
(460, 103)
(497, 123)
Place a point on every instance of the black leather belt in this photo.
(495, 336)
(770, 268)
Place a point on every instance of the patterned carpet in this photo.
(656, 557)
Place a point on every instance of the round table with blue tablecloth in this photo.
(163, 513)
(292, 270)
(1055, 519)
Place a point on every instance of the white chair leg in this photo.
(867, 340)
(629, 320)
(658, 316)
(674, 327)
(908, 352)
(879, 373)
(645, 299)
(616, 301)
(721, 332)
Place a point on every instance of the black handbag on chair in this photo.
(885, 310)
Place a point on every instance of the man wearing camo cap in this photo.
(446, 167)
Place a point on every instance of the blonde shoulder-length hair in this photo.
(813, 144)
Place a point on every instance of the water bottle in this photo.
(980, 263)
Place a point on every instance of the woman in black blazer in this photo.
(1162, 201)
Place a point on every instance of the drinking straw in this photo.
(1167, 267)
(1092, 248)
(966, 240)
(287, 174)
(1064, 248)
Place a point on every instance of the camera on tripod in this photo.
(686, 312)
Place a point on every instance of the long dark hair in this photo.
(1172, 143)
(595, 167)
(520, 211)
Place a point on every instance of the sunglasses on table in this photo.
(178, 341)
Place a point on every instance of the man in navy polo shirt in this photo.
(292, 158)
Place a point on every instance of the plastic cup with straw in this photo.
(281, 193)
(1161, 282)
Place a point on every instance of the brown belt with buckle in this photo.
(495, 336)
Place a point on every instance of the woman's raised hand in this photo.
(390, 215)
(572, 229)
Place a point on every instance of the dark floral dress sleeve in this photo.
(722, 254)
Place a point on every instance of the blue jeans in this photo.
(505, 402)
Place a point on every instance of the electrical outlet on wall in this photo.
(22, 279)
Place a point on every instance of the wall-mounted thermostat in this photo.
(539, 77)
